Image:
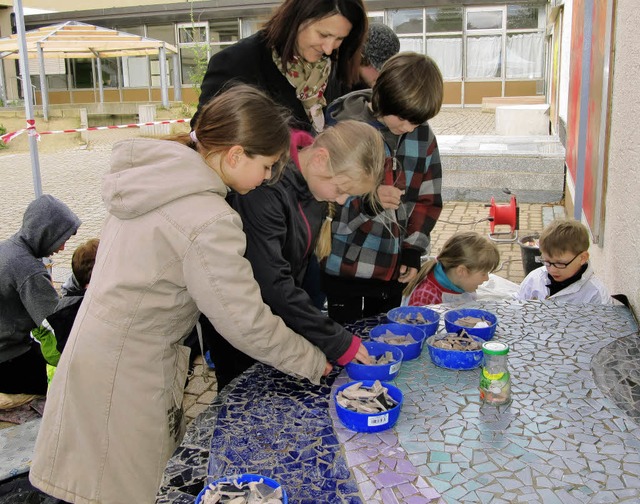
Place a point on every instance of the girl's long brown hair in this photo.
(241, 115)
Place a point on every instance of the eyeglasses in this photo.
(557, 265)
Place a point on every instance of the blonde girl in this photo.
(170, 248)
(282, 222)
(465, 261)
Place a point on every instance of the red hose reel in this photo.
(507, 214)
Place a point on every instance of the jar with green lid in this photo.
(495, 381)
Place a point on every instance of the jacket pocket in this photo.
(175, 414)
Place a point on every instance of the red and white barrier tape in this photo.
(31, 128)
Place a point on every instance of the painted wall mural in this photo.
(589, 108)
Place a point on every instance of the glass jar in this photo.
(495, 381)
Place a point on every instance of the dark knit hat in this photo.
(381, 44)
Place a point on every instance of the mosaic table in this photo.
(570, 435)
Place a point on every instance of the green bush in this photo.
(3, 130)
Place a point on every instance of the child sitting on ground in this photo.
(567, 275)
(463, 264)
(55, 329)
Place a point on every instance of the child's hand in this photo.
(327, 369)
(362, 355)
(407, 274)
(390, 197)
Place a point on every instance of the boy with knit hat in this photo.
(381, 44)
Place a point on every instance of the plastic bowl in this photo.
(401, 314)
(409, 352)
(382, 372)
(369, 422)
(486, 333)
(455, 359)
(244, 478)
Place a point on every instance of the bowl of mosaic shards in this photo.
(386, 361)
(408, 338)
(455, 350)
(418, 316)
(243, 489)
(368, 405)
(475, 322)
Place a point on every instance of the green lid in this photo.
(495, 348)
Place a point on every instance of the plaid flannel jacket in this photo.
(373, 246)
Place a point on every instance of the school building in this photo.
(484, 49)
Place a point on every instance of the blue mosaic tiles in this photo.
(569, 435)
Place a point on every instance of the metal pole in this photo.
(163, 76)
(177, 85)
(3, 91)
(28, 98)
(100, 83)
(44, 88)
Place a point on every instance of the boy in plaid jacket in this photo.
(375, 252)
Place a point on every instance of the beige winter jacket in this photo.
(170, 248)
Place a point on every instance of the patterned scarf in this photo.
(310, 81)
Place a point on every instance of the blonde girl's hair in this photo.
(241, 115)
(356, 150)
(468, 248)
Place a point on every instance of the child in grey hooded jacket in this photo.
(27, 294)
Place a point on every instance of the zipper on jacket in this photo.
(306, 223)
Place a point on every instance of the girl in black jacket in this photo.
(283, 222)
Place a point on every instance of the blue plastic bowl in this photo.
(401, 314)
(244, 478)
(486, 333)
(455, 359)
(369, 422)
(382, 372)
(411, 351)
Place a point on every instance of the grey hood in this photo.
(143, 172)
(354, 105)
(46, 225)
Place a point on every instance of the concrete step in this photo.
(475, 168)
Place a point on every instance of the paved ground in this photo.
(73, 173)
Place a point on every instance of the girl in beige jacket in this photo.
(171, 247)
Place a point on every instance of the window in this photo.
(484, 57)
(447, 53)
(523, 17)
(484, 19)
(525, 55)
(135, 71)
(443, 19)
(166, 33)
(194, 51)
(406, 21)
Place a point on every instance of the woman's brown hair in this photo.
(282, 31)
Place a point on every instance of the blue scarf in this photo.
(443, 279)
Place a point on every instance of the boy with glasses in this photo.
(566, 275)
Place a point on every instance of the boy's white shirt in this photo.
(586, 290)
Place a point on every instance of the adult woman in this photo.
(307, 54)
(170, 248)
